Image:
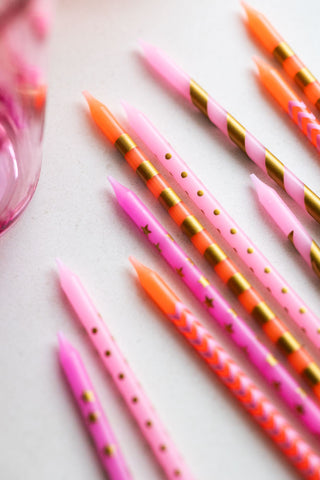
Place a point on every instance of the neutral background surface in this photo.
(73, 215)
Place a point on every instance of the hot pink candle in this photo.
(92, 412)
(128, 386)
(221, 220)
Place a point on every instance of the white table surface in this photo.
(74, 216)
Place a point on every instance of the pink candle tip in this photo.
(64, 346)
(119, 190)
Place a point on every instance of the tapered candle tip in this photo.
(113, 182)
(255, 180)
(63, 343)
(60, 265)
(249, 10)
(129, 109)
(262, 66)
(136, 265)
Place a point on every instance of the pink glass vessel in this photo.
(249, 253)
(24, 26)
(92, 412)
(221, 312)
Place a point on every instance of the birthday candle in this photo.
(224, 224)
(92, 412)
(289, 224)
(221, 312)
(228, 125)
(275, 44)
(272, 326)
(289, 101)
(124, 379)
(239, 384)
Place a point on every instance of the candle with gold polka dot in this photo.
(227, 227)
(233, 129)
(124, 379)
(271, 325)
(92, 412)
(239, 384)
(221, 312)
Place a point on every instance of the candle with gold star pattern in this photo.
(288, 100)
(136, 400)
(217, 307)
(240, 385)
(271, 325)
(275, 44)
(232, 129)
(224, 224)
(92, 412)
(289, 224)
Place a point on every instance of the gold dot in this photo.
(135, 400)
(109, 450)
(163, 448)
(177, 473)
(107, 353)
(250, 250)
(218, 230)
(121, 376)
(286, 310)
(168, 156)
(93, 417)
(267, 270)
(233, 231)
(284, 290)
(94, 330)
(87, 396)
(318, 331)
(199, 193)
(184, 174)
(216, 211)
(149, 423)
(302, 310)
(251, 269)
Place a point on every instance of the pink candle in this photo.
(221, 220)
(290, 226)
(275, 374)
(92, 412)
(128, 386)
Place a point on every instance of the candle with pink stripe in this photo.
(289, 225)
(221, 312)
(219, 218)
(225, 122)
(124, 379)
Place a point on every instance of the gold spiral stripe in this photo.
(288, 343)
(199, 97)
(214, 255)
(238, 284)
(146, 170)
(312, 203)
(236, 132)
(304, 77)
(312, 373)
(282, 52)
(191, 226)
(262, 313)
(275, 168)
(168, 198)
(124, 144)
(315, 258)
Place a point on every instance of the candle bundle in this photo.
(275, 44)
(224, 224)
(271, 325)
(230, 127)
(123, 377)
(273, 372)
(289, 225)
(253, 400)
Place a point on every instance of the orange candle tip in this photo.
(263, 67)
(250, 11)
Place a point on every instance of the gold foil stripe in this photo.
(238, 284)
(282, 52)
(312, 203)
(168, 198)
(304, 77)
(190, 226)
(288, 343)
(146, 170)
(124, 144)
(315, 258)
(312, 373)
(262, 313)
(275, 168)
(236, 132)
(199, 97)
(214, 255)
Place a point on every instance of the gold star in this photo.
(109, 450)
(229, 328)
(300, 409)
(146, 230)
(180, 272)
(157, 247)
(209, 302)
(276, 385)
(245, 350)
(203, 281)
(170, 237)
